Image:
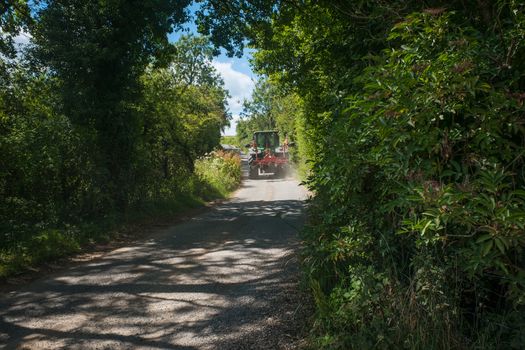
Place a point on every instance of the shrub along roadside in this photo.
(417, 233)
(220, 170)
(215, 177)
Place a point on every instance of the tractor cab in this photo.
(266, 140)
(267, 143)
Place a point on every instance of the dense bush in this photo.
(423, 246)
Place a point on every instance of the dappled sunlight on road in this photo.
(209, 283)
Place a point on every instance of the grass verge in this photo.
(216, 176)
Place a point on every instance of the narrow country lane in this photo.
(225, 279)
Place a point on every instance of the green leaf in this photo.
(500, 245)
(487, 247)
(484, 238)
(425, 228)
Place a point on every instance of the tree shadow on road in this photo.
(225, 279)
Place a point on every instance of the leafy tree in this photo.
(260, 107)
(14, 18)
(187, 101)
(191, 62)
(98, 50)
(269, 108)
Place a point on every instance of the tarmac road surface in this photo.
(225, 279)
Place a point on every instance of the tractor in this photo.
(267, 155)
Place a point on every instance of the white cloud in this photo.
(237, 83)
(232, 129)
(22, 39)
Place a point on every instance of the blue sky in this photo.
(237, 74)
